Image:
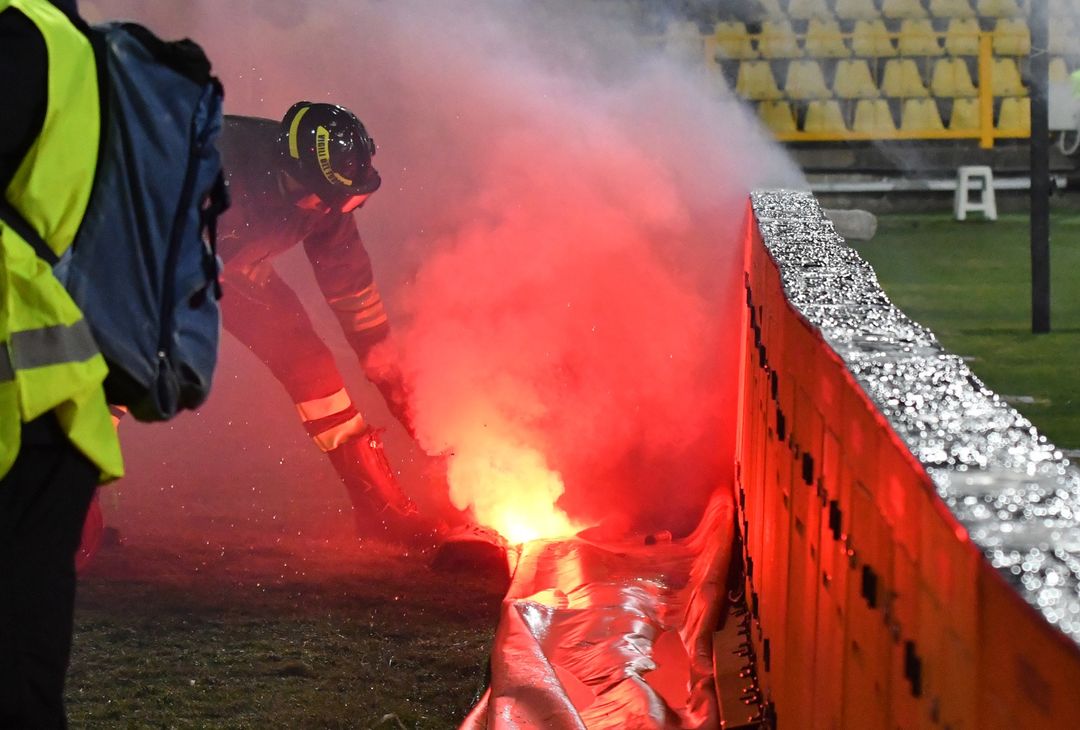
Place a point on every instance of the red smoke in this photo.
(556, 237)
(553, 321)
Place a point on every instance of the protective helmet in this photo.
(328, 151)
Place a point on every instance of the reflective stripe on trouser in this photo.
(335, 436)
(331, 420)
(316, 408)
(46, 346)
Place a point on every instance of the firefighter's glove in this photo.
(392, 386)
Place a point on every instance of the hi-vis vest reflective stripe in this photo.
(48, 359)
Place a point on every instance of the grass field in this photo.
(970, 283)
(207, 634)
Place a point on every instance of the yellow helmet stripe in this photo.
(294, 151)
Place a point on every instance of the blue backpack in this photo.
(144, 268)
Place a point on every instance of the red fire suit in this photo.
(264, 313)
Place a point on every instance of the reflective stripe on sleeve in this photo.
(335, 436)
(52, 345)
(359, 311)
(362, 320)
(355, 301)
(316, 408)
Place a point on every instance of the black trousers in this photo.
(272, 322)
(43, 503)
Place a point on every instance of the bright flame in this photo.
(510, 489)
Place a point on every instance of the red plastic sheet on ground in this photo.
(611, 634)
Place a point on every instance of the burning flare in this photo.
(510, 489)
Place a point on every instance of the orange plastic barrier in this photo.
(871, 606)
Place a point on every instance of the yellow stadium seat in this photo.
(1015, 115)
(1059, 71)
(777, 116)
(951, 9)
(856, 10)
(965, 115)
(872, 116)
(962, 37)
(853, 80)
(1012, 37)
(806, 81)
(871, 38)
(1007, 80)
(952, 78)
(824, 117)
(825, 40)
(807, 9)
(903, 9)
(920, 115)
(999, 8)
(917, 38)
(778, 40)
(756, 82)
(902, 79)
(733, 41)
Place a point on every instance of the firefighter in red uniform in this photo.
(298, 181)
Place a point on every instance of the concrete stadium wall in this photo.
(910, 542)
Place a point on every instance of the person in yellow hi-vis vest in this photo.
(56, 438)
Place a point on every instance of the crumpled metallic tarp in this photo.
(604, 635)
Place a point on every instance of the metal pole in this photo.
(986, 90)
(1040, 169)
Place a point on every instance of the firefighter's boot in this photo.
(380, 507)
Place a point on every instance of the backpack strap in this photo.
(217, 202)
(20, 225)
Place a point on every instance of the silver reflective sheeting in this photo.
(611, 634)
(1018, 497)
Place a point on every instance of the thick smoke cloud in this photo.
(557, 235)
